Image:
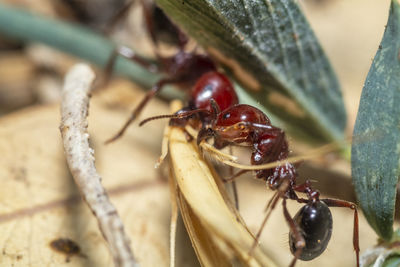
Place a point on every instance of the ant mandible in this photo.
(218, 115)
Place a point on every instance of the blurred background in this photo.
(39, 202)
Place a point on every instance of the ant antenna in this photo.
(181, 115)
(173, 116)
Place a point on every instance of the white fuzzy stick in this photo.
(74, 111)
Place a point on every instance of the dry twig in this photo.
(74, 111)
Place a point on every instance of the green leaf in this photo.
(271, 43)
(375, 159)
(393, 261)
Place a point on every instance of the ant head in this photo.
(314, 221)
(242, 113)
(238, 124)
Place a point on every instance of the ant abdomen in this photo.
(315, 224)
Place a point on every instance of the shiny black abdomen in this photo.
(315, 223)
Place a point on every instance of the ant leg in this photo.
(129, 54)
(300, 242)
(148, 12)
(346, 204)
(269, 204)
(136, 112)
(123, 51)
(274, 200)
(148, 18)
(119, 16)
(234, 187)
(235, 195)
(234, 176)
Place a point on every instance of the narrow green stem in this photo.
(72, 39)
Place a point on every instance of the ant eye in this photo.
(226, 116)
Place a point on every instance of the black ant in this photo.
(213, 109)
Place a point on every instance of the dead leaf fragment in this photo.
(40, 203)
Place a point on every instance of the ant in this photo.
(213, 109)
(240, 124)
(182, 69)
(311, 227)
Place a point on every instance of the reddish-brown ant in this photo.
(311, 227)
(214, 105)
(182, 69)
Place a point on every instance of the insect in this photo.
(240, 124)
(311, 227)
(213, 109)
(182, 69)
(67, 247)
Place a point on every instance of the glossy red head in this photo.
(239, 123)
(213, 85)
